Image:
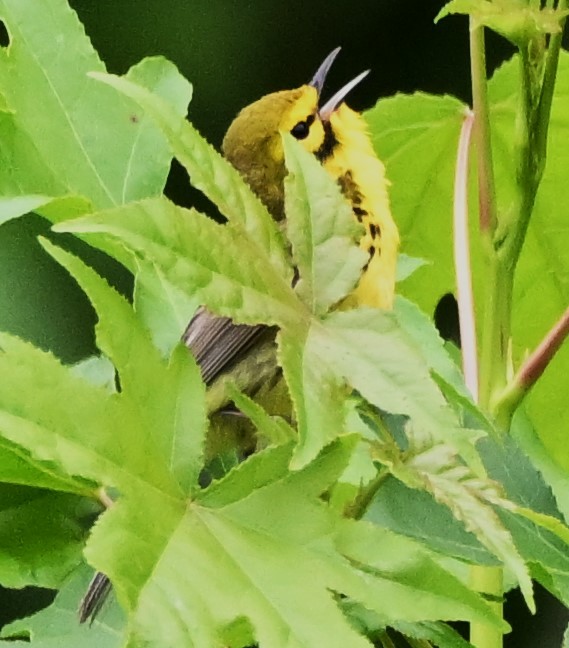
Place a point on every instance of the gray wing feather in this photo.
(217, 343)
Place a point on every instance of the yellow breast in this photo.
(362, 178)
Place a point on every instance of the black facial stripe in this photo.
(328, 145)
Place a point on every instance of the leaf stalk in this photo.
(488, 580)
(531, 370)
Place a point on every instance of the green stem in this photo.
(496, 328)
(548, 85)
(104, 498)
(496, 324)
(487, 580)
(359, 506)
(531, 150)
(486, 183)
(514, 222)
(538, 74)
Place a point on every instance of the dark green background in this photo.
(234, 51)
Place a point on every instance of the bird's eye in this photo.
(300, 130)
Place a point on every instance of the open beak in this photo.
(319, 79)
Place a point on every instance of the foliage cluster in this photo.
(373, 514)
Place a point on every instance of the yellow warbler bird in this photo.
(338, 138)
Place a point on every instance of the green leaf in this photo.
(513, 19)
(438, 634)
(64, 147)
(85, 431)
(406, 562)
(318, 395)
(535, 523)
(415, 513)
(273, 428)
(434, 467)
(30, 370)
(149, 156)
(247, 549)
(555, 477)
(407, 265)
(163, 308)
(445, 372)
(247, 542)
(169, 395)
(211, 174)
(524, 484)
(552, 524)
(57, 625)
(97, 370)
(423, 332)
(41, 535)
(359, 474)
(197, 255)
(322, 230)
(52, 208)
(542, 541)
(256, 472)
(367, 350)
(17, 466)
(376, 357)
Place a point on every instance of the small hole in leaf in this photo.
(4, 35)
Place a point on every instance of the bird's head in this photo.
(253, 142)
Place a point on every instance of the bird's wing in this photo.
(217, 343)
